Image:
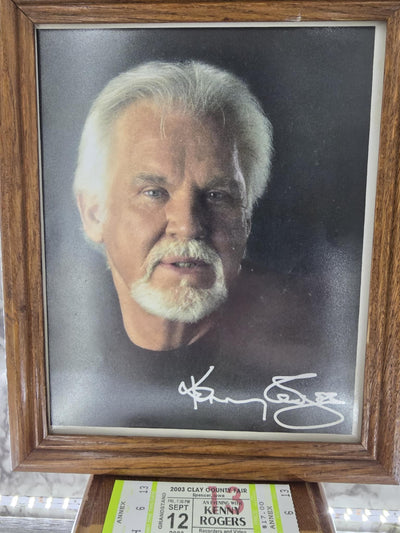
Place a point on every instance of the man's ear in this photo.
(91, 215)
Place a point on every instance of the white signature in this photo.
(282, 395)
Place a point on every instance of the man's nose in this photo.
(185, 216)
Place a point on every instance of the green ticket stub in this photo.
(164, 507)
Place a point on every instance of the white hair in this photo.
(182, 303)
(195, 87)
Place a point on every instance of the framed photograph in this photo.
(200, 238)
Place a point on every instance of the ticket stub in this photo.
(164, 507)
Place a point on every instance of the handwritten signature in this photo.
(275, 393)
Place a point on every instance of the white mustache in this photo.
(181, 303)
(192, 249)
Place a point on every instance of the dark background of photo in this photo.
(314, 84)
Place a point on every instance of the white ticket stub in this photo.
(163, 507)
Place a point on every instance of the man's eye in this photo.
(156, 194)
(217, 196)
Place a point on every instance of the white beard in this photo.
(183, 303)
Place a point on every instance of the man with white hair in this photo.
(172, 159)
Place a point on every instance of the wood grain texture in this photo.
(215, 447)
(64, 12)
(376, 458)
(205, 467)
(381, 386)
(23, 292)
(308, 498)
(388, 446)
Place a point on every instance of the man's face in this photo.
(173, 178)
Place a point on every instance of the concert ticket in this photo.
(164, 507)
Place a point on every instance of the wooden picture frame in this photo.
(375, 457)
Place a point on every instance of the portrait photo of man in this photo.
(205, 274)
(186, 152)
